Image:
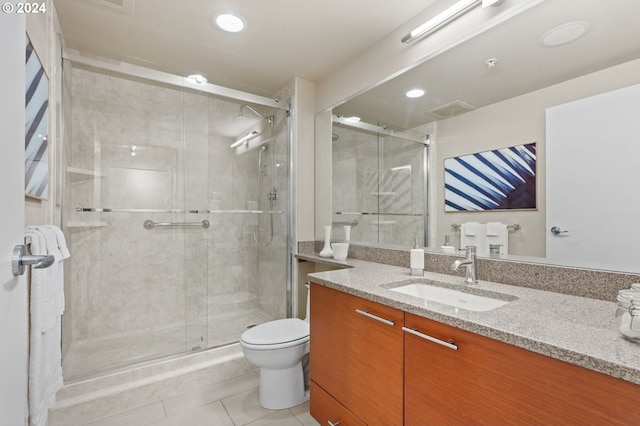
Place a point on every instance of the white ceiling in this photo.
(312, 39)
(284, 38)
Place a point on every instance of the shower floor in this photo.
(87, 357)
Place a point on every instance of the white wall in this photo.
(13, 291)
(303, 178)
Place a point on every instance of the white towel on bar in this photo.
(46, 303)
(57, 246)
(497, 233)
(472, 234)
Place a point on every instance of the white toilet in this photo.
(280, 349)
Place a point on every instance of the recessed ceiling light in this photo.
(229, 22)
(197, 78)
(414, 93)
(565, 33)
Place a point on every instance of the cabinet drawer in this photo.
(327, 411)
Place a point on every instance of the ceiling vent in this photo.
(124, 6)
(451, 109)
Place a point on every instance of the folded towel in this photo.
(44, 304)
(495, 229)
(62, 242)
(472, 234)
(51, 241)
(497, 234)
(45, 358)
(470, 228)
(56, 245)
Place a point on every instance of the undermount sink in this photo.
(474, 300)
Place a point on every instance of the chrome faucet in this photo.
(470, 263)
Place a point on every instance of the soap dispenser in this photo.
(416, 261)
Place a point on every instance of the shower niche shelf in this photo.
(76, 174)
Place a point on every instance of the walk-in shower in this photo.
(213, 257)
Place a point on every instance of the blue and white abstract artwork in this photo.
(504, 179)
(36, 126)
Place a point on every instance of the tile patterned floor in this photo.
(233, 402)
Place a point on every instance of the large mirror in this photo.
(493, 92)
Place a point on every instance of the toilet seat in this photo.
(276, 334)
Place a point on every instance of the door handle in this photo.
(556, 230)
(19, 260)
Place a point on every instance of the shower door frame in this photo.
(154, 76)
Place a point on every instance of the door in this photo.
(13, 294)
(593, 167)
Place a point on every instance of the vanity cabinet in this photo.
(356, 360)
(485, 381)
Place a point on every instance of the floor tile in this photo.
(302, 413)
(136, 417)
(211, 393)
(209, 415)
(278, 418)
(245, 407)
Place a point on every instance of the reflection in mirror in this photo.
(493, 92)
(379, 183)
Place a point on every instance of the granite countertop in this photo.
(574, 329)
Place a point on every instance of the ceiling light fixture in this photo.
(414, 93)
(229, 22)
(197, 78)
(440, 20)
(565, 33)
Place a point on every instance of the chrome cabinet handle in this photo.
(19, 260)
(449, 345)
(332, 423)
(375, 317)
(556, 230)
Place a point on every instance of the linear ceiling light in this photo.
(441, 19)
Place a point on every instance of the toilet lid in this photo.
(278, 331)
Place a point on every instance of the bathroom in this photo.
(298, 225)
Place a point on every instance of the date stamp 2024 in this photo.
(24, 7)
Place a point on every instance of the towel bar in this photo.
(149, 224)
(514, 227)
(19, 260)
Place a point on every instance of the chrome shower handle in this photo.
(19, 260)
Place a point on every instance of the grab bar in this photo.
(149, 224)
(352, 224)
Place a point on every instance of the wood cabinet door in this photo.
(328, 411)
(356, 354)
(489, 382)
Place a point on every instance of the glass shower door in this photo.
(379, 185)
